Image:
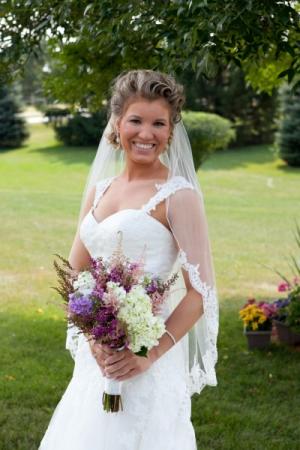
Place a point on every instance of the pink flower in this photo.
(268, 309)
(283, 287)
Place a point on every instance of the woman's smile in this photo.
(144, 148)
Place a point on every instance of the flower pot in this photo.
(258, 339)
(285, 334)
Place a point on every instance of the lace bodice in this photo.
(142, 234)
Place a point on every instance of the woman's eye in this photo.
(135, 120)
(159, 124)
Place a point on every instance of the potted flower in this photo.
(287, 318)
(257, 318)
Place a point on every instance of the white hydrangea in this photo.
(85, 283)
(143, 327)
(117, 290)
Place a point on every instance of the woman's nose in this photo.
(146, 133)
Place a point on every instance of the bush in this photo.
(208, 133)
(81, 129)
(288, 137)
(12, 127)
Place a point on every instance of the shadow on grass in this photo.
(11, 149)
(67, 155)
(243, 157)
(240, 157)
(288, 169)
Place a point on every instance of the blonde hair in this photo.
(147, 84)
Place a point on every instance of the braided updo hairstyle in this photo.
(146, 84)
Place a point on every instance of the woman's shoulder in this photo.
(176, 183)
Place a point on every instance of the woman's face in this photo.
(145, 129)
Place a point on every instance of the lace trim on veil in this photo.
(200, 377)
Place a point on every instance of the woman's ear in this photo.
(117, 126)
(170, 136)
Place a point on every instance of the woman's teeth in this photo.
(144, 146)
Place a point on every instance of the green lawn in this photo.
(252, 200)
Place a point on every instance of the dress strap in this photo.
(166, 189)
(101, 187)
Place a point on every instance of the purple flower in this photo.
(268, 309)
(152, 287)
(282, 303)
(115, 275)
(107, 325)
(98, 292)
(82, 306)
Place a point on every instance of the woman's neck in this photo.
(135, 172)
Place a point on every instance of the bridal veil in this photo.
(187, 220)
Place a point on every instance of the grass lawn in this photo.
(252, 200)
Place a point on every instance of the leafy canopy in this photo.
(94, 41)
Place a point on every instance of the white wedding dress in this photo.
(156, 404)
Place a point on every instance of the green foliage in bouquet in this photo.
(65, 285)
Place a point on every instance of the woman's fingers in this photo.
(128, 375)
(122, 366)
(118, 356)
(105, 348)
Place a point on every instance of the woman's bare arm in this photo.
(79, 257)
(184, 316)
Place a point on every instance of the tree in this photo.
(230, 96)
(289, 130)
(94, 41)
(12, 127)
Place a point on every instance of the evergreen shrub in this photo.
(288, 137)
(207, 133)
(12, 128)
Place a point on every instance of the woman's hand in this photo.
(119, 365)
(124, 364)
(100, 352)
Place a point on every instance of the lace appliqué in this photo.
(198, 377)
(165, 190)
(73, 333)
(101, 187)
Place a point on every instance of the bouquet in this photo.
(115, 302)
(257, 316)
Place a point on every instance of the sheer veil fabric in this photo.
(187, 220)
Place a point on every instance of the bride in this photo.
(143, 183)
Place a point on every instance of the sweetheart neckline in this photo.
(127, 210)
